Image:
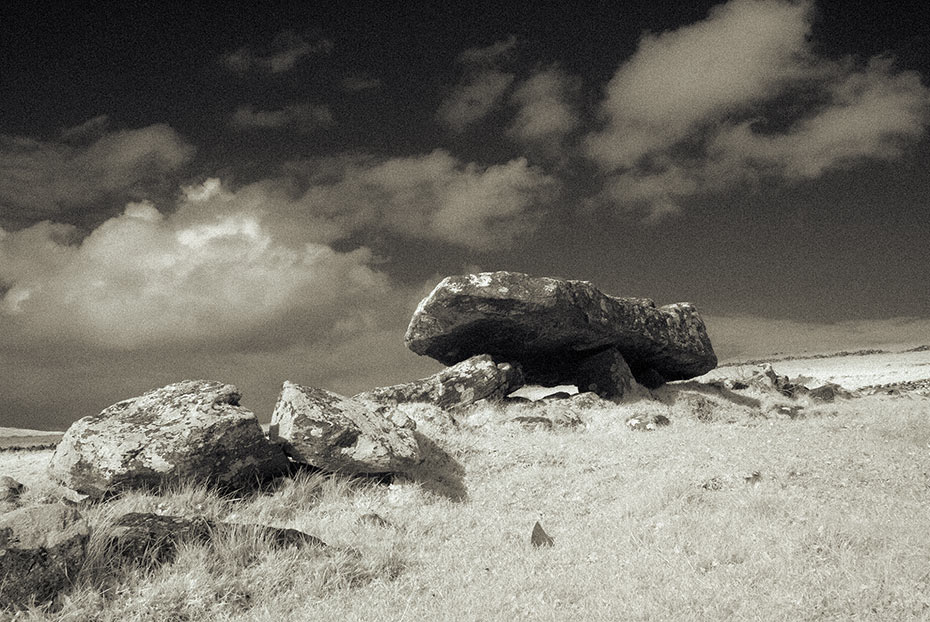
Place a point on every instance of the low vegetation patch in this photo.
(731, 511)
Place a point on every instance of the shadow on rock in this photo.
(438, 473)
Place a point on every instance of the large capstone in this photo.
(476, 378)
(550, 326)
(340, 434)
(189, 431)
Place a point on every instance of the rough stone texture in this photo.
(349, 435)
(149, 539)
(605, 374)
(549, 325)
(41, 550)
(189, 430)
(766, 378)
(828, 392)
(10, 489)
(476, 378)
(649, 421)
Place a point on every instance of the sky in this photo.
(265, 193)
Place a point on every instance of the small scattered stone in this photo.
(753, 478)
(10, 489)
(647, 422)
(540, 537)
(374, 519)
(534, 422)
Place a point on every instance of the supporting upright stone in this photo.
(605, 374)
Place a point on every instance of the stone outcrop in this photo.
(149, 539)
(42, 548)
(551, 326)
(476, 378)
(191, 430)
(340, 434)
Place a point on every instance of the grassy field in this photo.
(731, 512)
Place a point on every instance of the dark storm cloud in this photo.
(282, 54)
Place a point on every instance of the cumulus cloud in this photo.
(143, 279)
(284, 52)
(544, 113)
(701, 108)
(42, 178)
(299, 117)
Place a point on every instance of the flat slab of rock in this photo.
(191, 430)
(41, 550)
(340, 434)
(476, 378)
(548, 325)
(151, 539)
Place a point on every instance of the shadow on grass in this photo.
(439, 473)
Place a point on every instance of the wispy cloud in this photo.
(299, 117)
(545, 114)
(91, 129)
(699, 109)
(283, 53)
(490, 54)
(43, 178)
(481, 88)
(360, 82)
(473, 99)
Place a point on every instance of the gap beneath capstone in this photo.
(537, 392)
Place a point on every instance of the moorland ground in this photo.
(734, 511)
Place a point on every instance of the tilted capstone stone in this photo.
(551, 327)
(341, 434)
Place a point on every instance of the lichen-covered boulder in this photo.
(340, 434)
(192, 430)
(549, 325)
(42, 548)
(476, 378)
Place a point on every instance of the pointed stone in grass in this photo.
(540, 537)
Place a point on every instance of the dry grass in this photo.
(661, 525)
